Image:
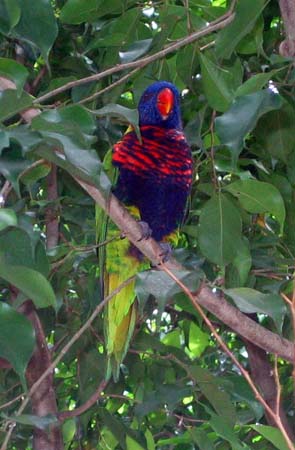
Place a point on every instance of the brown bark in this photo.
(263, 376)
(287, 47)
(43, 400)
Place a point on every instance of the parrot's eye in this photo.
(165, 102)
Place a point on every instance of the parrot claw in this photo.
(166, 251)
(146, 231)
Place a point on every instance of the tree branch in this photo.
(287, 47)
(263, 375)
(218, 24)
(83, 408)
(217, 305)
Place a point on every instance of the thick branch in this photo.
(43, 400)
(218, 306)
(263, 376)
(287, 47)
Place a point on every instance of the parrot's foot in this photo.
(166, 251)
(146, 231)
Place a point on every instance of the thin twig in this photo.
(15, 399)
(87, 405)
(218, 24)
(108, 88)
(5, 191)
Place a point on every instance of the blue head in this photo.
(159, 105)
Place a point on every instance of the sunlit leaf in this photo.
(272, 435)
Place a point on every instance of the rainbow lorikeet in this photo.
(154, 180)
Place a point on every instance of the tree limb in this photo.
(287, 47)
(228, 314)
(218, 24)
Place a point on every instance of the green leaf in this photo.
(7, 218)
(14, 71)
(132, 444)
(275, 133)
(11, 170)
(240, 266)
(250, 301)
(32, 283)
(17, 339)
(219, 83)
(135, 50)
(240, 391)
(64, 119)
(187, 63)
(4, 140)
(222, 428)
(198, 340)
(9, 15)
(253, 41)
(259, 197)
(11, 103)
(20, 248)
(213, 391)
(201, 438)
(161, 286)
(233, 126)
(246, 14)
(34, 21)
(255, 83)
(149, 440)
(35, 172)
(129, 116)
(220, 230)
(69, 429)
(73, 122)
(272, 435)
(78, 11)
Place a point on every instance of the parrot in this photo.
(154, 178)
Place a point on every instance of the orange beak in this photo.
(165, 102)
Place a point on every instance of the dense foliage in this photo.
(178, 388)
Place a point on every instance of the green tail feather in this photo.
(121, 311)
(116, 265)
